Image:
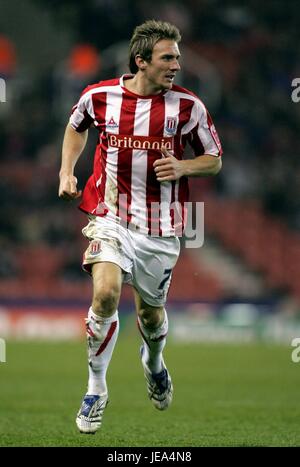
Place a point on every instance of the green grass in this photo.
(225, 395)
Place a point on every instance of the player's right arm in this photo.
(73, 145)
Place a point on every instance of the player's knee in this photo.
(151, 317)
(105, 300)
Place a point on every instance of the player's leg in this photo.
(102, 324)
(153, 264)
(106, 263)
(155, 258)
(102, 327)
(153, 326)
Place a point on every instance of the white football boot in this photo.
(89, 417)
(159, 386)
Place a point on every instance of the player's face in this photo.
(162, 69)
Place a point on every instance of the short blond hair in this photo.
(144, 38)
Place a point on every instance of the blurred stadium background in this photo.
(243, 285)
(241, 60)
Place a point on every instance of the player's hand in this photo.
(68, 187)
(168, 168)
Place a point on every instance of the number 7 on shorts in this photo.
(167, 273)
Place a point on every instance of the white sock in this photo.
(102, 334)
(154, 342)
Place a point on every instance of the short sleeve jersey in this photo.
(132, 130)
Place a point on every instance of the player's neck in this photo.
(138, 85)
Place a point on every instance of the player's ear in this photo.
(140, 62)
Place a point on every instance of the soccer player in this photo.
(144, 122)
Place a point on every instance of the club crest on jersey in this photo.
(111, 123)
(95, 247)
(171, 125)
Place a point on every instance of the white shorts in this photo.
(147, 262)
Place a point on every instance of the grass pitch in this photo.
(225, 395)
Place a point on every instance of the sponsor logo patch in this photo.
(140, 142)
(111, 123)
(215, 136)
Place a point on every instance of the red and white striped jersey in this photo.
(132, 131)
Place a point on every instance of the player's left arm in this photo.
(169, 168)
